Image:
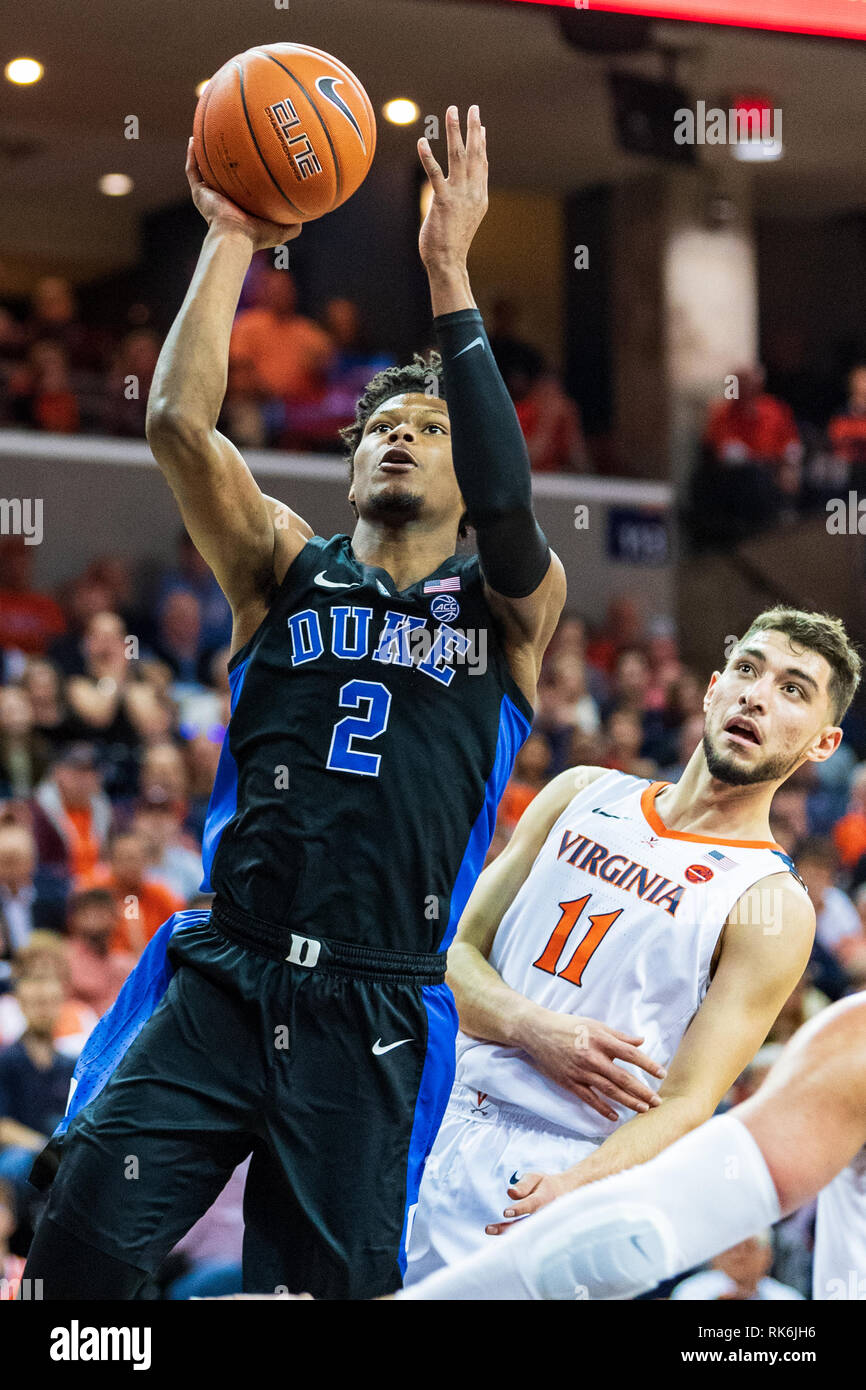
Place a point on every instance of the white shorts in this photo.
(480, 1148)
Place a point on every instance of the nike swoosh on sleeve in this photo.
(476, 342)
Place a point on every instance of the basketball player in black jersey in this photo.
(304, 1019)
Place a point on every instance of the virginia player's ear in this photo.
(825, 745)
(709, 691)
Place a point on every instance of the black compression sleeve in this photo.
(490, 458)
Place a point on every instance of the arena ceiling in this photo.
(545, 104)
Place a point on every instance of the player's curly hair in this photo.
(422, 375)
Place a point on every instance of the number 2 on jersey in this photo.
(600, 923)
(343, 756)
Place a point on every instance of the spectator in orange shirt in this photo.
(549, 419)
(751, 473)
(847, 432)
(529, 777)
(28, 620)
(73, 800)
(96, 973)
(755, 427)
(849, 833)
(143, 904)
(289, 354)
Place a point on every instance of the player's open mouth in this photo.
(397, 460)
(742, 731)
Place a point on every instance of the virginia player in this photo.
(305, 1018)
(667, 911)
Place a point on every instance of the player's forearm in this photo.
(489, 453)
(192, 371)
(449, 288)
(489, 1009)
(639, 1140)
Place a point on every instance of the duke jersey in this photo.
(372, 733)
(839, 1264)
(616, 921)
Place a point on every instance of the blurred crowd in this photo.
(293, 380)
(113, 705)
(779, 435)
(772, 452)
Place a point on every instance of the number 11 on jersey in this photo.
(600, 923)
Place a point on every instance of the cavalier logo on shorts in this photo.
(445, 608)
(480, 1108)
(698, 873)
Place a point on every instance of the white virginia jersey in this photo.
(617, 921)
(839, 1264)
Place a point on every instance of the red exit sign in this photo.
(844, 19)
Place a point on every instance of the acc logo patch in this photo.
(445, 608)
(698, 873)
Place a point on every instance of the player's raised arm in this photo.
(231, 523)
(577, 1053)
(525, 581)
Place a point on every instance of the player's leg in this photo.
(355, 1108)
(620, 1237)
(70, 1268)
(481, 1148)
(143, 1160)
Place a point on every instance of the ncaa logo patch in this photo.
(445, 608)
(698, 873)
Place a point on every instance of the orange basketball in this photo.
(286, 131)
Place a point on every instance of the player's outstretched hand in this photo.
(581, 1054)
(217, 208)
(459, 200)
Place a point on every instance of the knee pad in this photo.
(619, 1250)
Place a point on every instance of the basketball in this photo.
(286, 131)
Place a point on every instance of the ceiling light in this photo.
(23, 71)
(401, 111)
(115, 185)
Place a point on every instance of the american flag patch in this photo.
(720, 860)
(442, 586)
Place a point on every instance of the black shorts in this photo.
(332, 1068)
